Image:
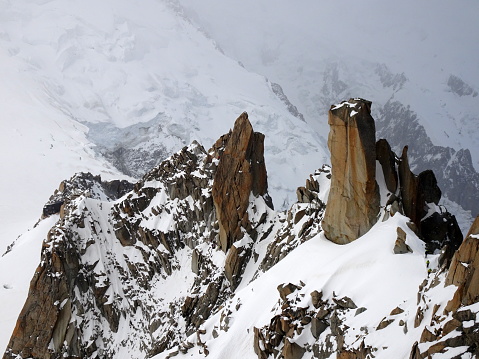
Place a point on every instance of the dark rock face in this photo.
(390, 79)
(459, 87)
(52, 208)
(408, 189)
(353, 203)
(420, 196)
(83, 183)
(454, 170)
(278, 90)
(387, 159)
(130, 149)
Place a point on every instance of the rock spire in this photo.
(353, 203)
(241, 171)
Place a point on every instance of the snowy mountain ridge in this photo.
(148, 274)
(115, 88)
(99, 90)
(74, 77)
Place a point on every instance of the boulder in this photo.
(384, 323)
(316, 298)
(345, 303)
(286, 289)
(317, 327)
(292, 350)
(353, 203)
(400, 246)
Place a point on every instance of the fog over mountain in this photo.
(413, 57)
(116, 87)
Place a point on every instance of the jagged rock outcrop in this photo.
(82, 183)
(154, 267)
(302, 221)
(323, 318)
(420, 197)
(353, 203)
(457, 328)
(387, 159)
(47, 311)
(464, 270)
(44, 323)
(417, 191)
(240, 177)
(115, 242)
(454, 169)
(241, 171)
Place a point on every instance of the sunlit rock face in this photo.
(241, 172)
(353, 202)
(464, 270)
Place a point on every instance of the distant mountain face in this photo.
(396, 58)
(192, 260)
(116, 88)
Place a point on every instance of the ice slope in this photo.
(16, 271)
(338, 49)
(68, 65)
(40, 148)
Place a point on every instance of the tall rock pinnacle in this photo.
(241, 171)
(353, 202)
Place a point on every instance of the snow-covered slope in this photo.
(40, 147)
(142, 274)
(366, 271)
